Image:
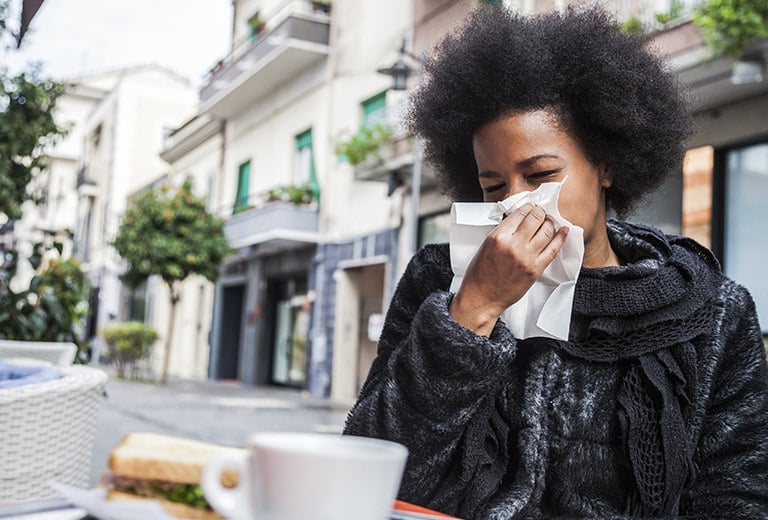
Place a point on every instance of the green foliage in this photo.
(171, 235)
(365, 143)
(675, 10)
(54, 304)
(298, 195)
(26, 126)
(128, 343)
(632, 26)
(729, 26)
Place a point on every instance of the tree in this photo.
(27, 126)
(51, 307)
(172, 235)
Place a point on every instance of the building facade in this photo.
(121, 141)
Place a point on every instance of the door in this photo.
(291, 332)
(229, 339)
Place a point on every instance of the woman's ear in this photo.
(606, 177)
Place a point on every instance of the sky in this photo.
(76, 37)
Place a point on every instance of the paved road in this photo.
(221, 412)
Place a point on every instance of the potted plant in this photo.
(729, 26)
(365, 144)
(321, 6)
(255, 24)
(51, 307)
(296, 195)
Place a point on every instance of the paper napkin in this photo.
(545, 310)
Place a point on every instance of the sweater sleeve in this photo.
(433, 388)
(732, 452)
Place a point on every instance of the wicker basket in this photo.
(46, 433)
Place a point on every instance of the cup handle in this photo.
(228, 502)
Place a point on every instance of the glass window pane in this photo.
(434, 229)
(746, 235)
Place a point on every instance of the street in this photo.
(220, 412)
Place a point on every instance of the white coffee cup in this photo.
(308, 476)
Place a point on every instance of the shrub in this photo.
(52, 306)
(128, 343)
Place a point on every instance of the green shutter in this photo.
(303, 141)
(243, 179)
(375, 109)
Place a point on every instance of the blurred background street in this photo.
(220, 412)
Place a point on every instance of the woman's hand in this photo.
(509, 261)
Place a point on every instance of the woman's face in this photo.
(519, 152)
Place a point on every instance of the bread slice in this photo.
(154, 456)
(172, 508)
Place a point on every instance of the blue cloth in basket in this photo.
(19, 375)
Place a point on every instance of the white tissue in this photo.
(545, 310)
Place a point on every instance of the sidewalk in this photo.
(222, 412)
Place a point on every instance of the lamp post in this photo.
(400, 71)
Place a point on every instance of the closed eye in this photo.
(494, 188)
(541, 175)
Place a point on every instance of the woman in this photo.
(657, 405)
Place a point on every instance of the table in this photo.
(51, 509)
(61, 509)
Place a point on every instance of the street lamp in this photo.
(400, 71)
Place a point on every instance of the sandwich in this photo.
(165, 468)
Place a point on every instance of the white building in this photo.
(193, 150)
(57, 182)
(122, 139)
(300, 76)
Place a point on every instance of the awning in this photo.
(28, 11)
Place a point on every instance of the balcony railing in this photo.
(295, 38)
(394, 163)
(271, 225)
(654, 16)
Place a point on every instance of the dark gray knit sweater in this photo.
(657, 406)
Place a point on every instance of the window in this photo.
(745, 236)
(375, 110)
(434, 229)
(304, 169)
(305, 163)
(243, 178)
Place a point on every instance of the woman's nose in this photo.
(515, 186)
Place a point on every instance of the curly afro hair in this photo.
(608, 91)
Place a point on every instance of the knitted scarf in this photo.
(647, 315)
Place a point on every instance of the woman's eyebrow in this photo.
(532, 160)
(489, 175)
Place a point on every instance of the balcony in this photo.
(393, 164)
(295, 38)
(708, 77)
(273, 227)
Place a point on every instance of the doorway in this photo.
(359, 305)
(290, 331)
(229, 340)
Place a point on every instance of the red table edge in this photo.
(413, 508)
